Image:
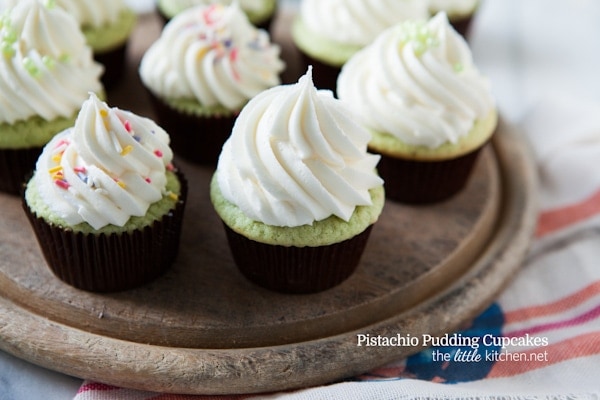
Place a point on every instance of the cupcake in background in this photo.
(328, 33)
(206, 65)
(296, 189)
(260, 12)
(429, 109)
(105, 202)
(47, 71)
(106, 24)
(460, 12)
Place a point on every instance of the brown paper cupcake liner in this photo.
(197, 139)
(114, 65)
(111, 262)
(15, 166)
(296, 269)
(423, 182)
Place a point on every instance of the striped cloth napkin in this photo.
(541, 338)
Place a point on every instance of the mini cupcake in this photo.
(46, 72)
(106, 24)
(429, 109)
(259, 12)
(296, 189)
(328, 33)
(105, 202)
(460, 12)
(206, 65)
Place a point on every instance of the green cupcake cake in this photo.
(260, 12)
(296, 190)
(429, 109)
(328, 33)
(105, 202)
(43, 81)
(208, 62)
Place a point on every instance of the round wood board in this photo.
(203, 329)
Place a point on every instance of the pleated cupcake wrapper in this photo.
(423, 182)
(114, 65)
(198, 139)
(111, 262)
(15, 166)
(296, 269)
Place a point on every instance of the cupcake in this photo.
(296, 190)
(460, 12)
(46, 72)
(206, 65)
(105, 202)
(259, 12)
(429, 109)
(106, 25)
(328, 33)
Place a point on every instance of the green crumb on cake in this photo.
(385, 143)
(108, 37)
(155, 212)
(193, 107)
(327, 51)
(320, 233)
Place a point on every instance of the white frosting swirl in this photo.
(418, 82)
(214, 55)
(46, 69)
(108, 167)
(295, 157)
(358, 22)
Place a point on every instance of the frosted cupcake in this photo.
(296, 189)
(429, 109)
(460, 12)
(46, 72)
(206, 65)
(328, 33)
(259, 12)
(105, 202)
(106, 25)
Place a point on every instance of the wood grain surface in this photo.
(203, 329)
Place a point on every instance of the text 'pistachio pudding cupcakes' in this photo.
(105, 201)
(296, 189)
(260, 12)
(46, 72)
(328, 33)
(206, 65)
(429, 109)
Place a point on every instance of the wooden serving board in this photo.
(203, 329)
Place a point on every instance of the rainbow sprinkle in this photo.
(126, 150)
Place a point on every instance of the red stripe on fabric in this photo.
(554, 220)
(96, 386)
(554, 307)
(580, 319)
(576, 347)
